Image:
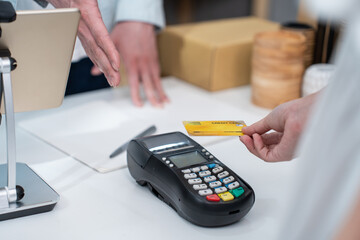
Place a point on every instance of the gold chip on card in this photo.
(214, 128)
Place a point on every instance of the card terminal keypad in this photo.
(213, 182)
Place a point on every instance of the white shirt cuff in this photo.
(149, 11)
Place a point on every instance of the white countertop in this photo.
(112, 206)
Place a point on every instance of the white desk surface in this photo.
(112, 206)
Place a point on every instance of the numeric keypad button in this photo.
(195, 169)
(215, 184)
(226, 196)
(233, 185)
(228, 180)
(220, 189)
(211, 165)
(205, 192)
(195, 181)
(190, 175)
(223, 174)
(204, 173)
(203, 168)
(217, 170)
(200, 186)
(186, 171)
(213, 198)
(209, 178)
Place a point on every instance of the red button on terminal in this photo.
(213, 198)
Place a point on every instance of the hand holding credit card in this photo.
(214, 128)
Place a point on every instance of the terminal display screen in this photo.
(187, 159)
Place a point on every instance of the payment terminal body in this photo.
(189, 179)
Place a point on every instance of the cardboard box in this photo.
(213, 55)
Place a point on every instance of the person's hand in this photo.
(136, 43)
(95, 38)
(287, 120)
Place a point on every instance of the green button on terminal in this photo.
(237, 192)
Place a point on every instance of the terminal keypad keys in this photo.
(213, 182)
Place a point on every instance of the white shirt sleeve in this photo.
(328, 183)
(149, 11)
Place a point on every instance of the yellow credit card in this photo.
(214, 128)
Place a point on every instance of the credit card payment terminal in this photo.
(191, 180)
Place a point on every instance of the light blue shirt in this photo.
(149, 11)
(114, 11)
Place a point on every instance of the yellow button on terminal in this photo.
(226, 196)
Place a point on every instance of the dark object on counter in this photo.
(7, 12)
(150, 130)
(189, 179)
(326, 38)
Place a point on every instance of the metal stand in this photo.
(32, 195)
(8, 194)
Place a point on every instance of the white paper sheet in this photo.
(90, 127)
